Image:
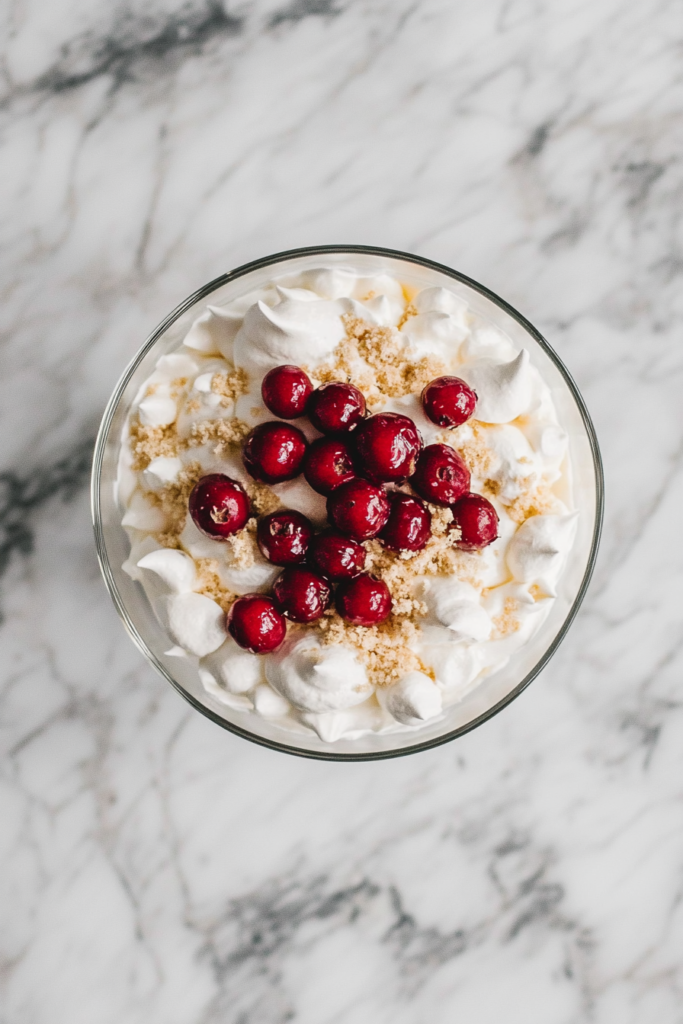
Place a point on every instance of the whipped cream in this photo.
(466, 628)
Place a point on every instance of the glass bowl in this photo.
(495, 691)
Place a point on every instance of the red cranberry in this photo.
(358, 509)
(301, 594)
(283, 537)
(478, 522)
(285, 391)
(409, 526)
(448, 401)
(219, 506)
(274, 452)
(441, 475)
(335, 556)
(387, 446)
(256, 624)
(335, 408)
(328, 464)
(364, 601)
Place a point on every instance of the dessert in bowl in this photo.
(347, 501)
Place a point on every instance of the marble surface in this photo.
(157, 870)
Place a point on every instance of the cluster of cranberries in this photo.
(350, 464)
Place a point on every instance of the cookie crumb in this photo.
(537, 500)
(209, 583)
(224, 434)
(173, 500)
(148, 443)
(376, 360)
(230, 385)
(507, 622)
(386, 650)
(469, 440)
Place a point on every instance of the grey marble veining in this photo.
(157, 869)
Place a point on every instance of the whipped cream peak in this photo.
(340, 282)
(141, 514)
(504, 390)
(455, 665)
(441, 300)
(413, 700)
(296, 294)
(239, 670)
(158, 409)
(316, 678)
(161, 471)
(196, 623)
(173, 366)
(516, 466)
(213, 333)
(455, 605)
(174, 568)
(293, 331)
(537, 551)
(331, 282)
(487, 342)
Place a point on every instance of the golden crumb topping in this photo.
(149, 443)
(375, 359)
(536, 500)
(230, 385)
(209, 583)
(469, 441)
(223, 434)
(173, 499)
(507, 622)
(386, 650)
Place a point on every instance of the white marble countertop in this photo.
(155, 869)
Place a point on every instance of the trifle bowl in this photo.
(347, 501)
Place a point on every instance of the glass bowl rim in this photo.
(103, 435)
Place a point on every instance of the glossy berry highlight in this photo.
(441, 475)
(328, 464)
(219, 506)
(448, 401)
(256, 624)
(302, 595)
(274, 452)
(387, 446)
(285, 391)
(283, 537)
(358, 508)
(335, 556)
(478, 522)
(364, 601)
(409, 526)
(335, 408)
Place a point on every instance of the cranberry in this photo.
(358, 509)
(335, 556)
(283, 537)
(256, 624)
(274, 452)
(387, 446)
(328, 464)
(364, 601)
(219, 506)
(335, 408)
(302, 595)
(409, 526)
(441, 475)
(285, 391)
(448, 401)
(478, 522)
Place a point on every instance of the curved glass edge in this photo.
(103, 560)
